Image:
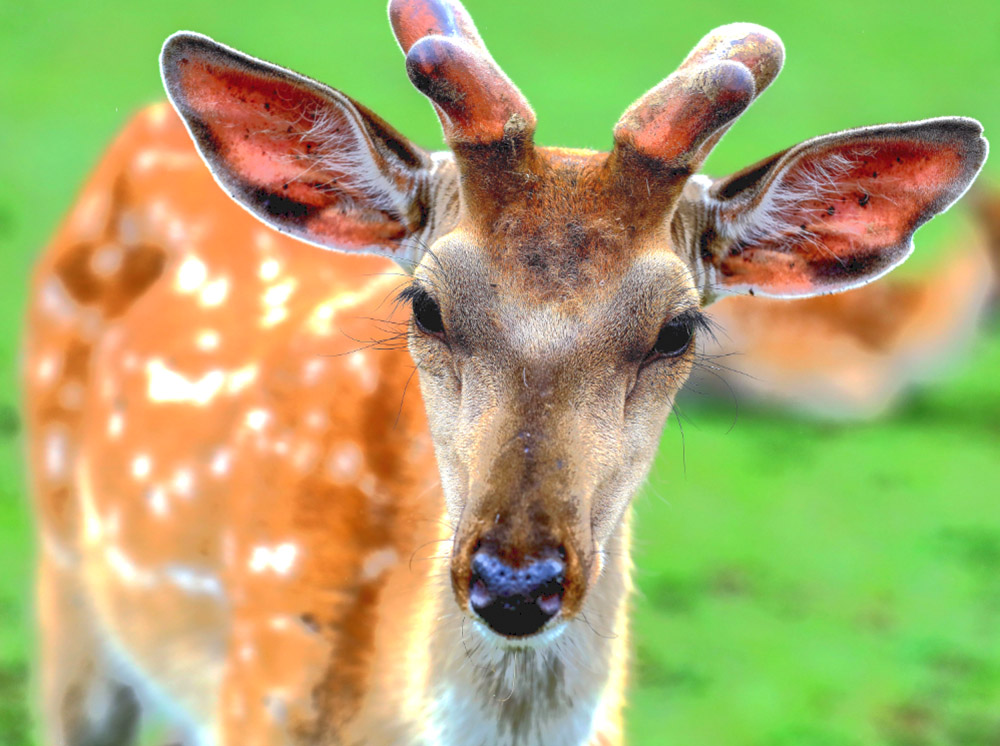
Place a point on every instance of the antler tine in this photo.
(448, 62)
(758, 48)
(678, 122)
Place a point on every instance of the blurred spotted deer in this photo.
(254, 532)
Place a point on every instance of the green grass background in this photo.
(802, 583)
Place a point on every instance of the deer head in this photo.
(557, 294)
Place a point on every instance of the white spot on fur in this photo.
(183, 482)
(345, 462)
(278, 295)
(276, 704)
(158, 114)
(264, 240)
(257, 419)
(215, 292)
(360, 362)
(194, 581)
(241, 378)
(146, 159)
(321, 320)
(127, 570)
(274, 299)
(273, 316)
(377, 562)
(185, 578)
(191, 275)
(56, 452)
(279, 559)
(92, 524)
(166, 385)
(317, 419)
(160, 157)
(142, 465)
(116, 423)
(55, 301)
(178, 231)
(106, 261)
(312, 370)
(129, 228)
(269, 269)
(158, 501)
(46, 370)
(221, 461)
(208, 340)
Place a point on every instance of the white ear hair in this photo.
(768, 220)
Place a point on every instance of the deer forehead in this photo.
(563, 219)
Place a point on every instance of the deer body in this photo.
(350, 505)
(248, 521)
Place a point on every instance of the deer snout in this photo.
(516, 601)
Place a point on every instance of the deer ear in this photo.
(834, 212)
(300, 156)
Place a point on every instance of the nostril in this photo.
(479, 595)
(550, 604)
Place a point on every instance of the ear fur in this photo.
(835, 212)
(300, 156)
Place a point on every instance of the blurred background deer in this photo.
(922, 313)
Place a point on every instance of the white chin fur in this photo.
(546, 637)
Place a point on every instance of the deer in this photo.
(255, 530)
(854, 355)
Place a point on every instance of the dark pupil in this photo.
(427, 314)
(674, 339)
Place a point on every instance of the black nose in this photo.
(516, 601)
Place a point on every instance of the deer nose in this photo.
(516, 601)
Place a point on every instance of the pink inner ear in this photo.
(294, 156)
(262, 128)
(840, 215)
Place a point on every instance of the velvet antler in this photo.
(448, 62)
(676, 124)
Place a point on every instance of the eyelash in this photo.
(426, 310)
(676, 335)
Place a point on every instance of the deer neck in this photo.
(564, 690)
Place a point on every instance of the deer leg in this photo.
(84, 702)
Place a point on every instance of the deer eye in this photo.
(426, 311)
(675, 336)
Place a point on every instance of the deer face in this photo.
(550, 347)
(556, 294)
